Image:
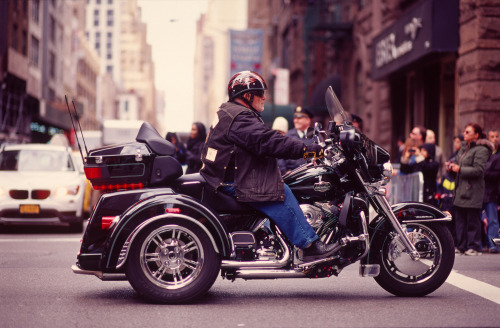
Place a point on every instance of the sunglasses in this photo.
(468, 132)
(258, 93)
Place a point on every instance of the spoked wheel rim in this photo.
(172, 257)
(401, 267)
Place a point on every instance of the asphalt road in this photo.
(38, 289)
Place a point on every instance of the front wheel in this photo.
(402, 276)
(172, 262)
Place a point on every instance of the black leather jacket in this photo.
(241, 149)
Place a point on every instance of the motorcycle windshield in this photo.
(374, 153)
(335, 108)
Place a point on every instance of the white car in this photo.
(40, 184)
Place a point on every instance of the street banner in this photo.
(282, 86)
(246, 50)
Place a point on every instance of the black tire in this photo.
(172, 262)
(400, 275)
(76, 227)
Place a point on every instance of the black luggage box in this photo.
(133, 165)
(123, 166)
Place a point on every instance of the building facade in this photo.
(395, 63)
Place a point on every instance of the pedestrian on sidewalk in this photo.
(469, 165)
(492, 184)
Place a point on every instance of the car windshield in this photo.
(35, 160)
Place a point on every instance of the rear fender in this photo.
(166, 218)
(161, 207)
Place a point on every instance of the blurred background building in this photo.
(394, 63)
(92, 51)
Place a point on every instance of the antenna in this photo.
(74, 128)
(80, 127)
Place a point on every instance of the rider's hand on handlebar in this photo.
(313, 150)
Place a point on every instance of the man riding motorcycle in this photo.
(240, 159)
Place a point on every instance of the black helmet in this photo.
(245, 81)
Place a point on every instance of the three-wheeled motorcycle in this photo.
(170, 235)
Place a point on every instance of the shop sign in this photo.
(428, 27)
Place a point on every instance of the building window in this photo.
(14, 36)
(35, 44)
(110, 2)
(25, 7)
(35, 10)
(52, 28)
(24, 43)
(109, 69)
(52, 95)
(96, 17)
(52, 65)
(110, 17)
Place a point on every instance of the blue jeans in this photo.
(492, 215)
(287, 215)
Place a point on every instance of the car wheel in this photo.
(76, 227)
(172, 263)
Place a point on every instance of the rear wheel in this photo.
(402, 276)
(172, 263)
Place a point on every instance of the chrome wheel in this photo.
(171, 257)
(402, 276)
(172, 261)
(398, 262)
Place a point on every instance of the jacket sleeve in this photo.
(492, 171)
(481, 156)
(249, 133)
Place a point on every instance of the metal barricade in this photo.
(406, 187)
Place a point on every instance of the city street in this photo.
(38, 289)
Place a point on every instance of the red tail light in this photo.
(175, 210)
(92, 172)
(119, 186)
(107, 221)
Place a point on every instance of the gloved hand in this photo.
(313, 150)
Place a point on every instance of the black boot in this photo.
(318, 250)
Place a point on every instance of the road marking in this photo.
(474, 286)
(30, 240)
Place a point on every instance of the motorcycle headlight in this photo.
(67, 191)
(387, 171)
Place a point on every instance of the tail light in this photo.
(118, 186)
(108, 222)
(92, 172)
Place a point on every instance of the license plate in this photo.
(29, 209)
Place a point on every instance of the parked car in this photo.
(40, 184)
(90, 196)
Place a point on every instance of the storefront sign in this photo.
(430, 26)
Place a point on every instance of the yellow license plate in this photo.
(29, 209)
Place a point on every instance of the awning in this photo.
(430, 26)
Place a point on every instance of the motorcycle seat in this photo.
(195, 186)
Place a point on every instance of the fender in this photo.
(166, 217)
(101, 248)
(405, 213)
(158, 205)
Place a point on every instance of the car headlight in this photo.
(67, 191)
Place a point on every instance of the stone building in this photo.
(395, 63)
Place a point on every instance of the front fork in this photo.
(403, 236)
